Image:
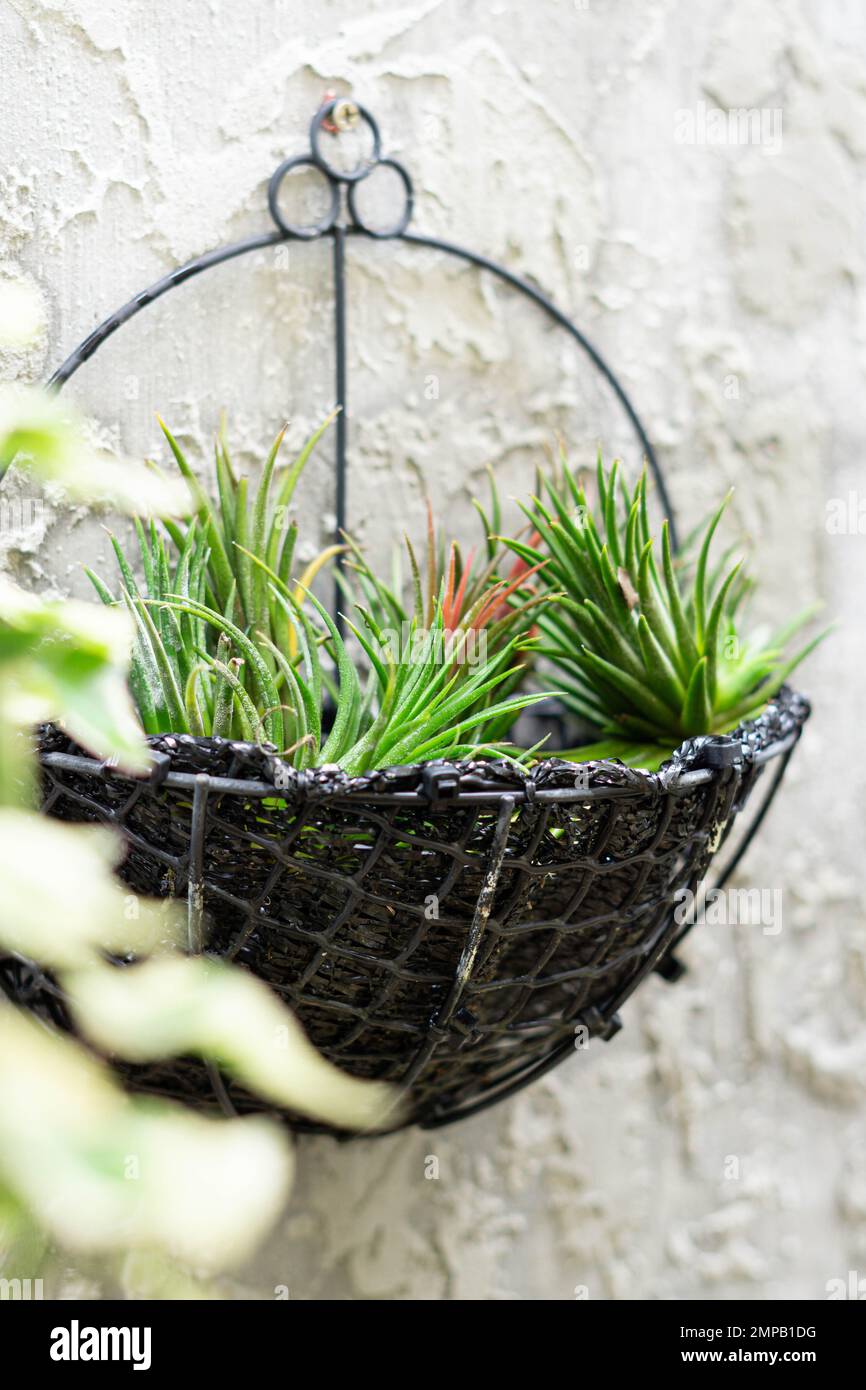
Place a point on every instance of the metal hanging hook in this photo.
(334, 116)
(345, 114)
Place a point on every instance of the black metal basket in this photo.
(455, 929)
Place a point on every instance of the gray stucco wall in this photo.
(715, 1150)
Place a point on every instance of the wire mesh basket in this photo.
(454, 929)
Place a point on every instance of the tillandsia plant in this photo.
(226, 646)
(646, 649)
(475, 596)
(187, 675)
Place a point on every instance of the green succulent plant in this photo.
(473, 591)
(647, 649)
(186, 677)
(230, 645)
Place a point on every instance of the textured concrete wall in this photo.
(715, 1149)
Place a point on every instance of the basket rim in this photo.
(222, 763)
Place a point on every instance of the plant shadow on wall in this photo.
(150, 1187)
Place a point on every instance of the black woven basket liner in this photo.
(324, 891)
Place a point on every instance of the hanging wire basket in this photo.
(456, 929)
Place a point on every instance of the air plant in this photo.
(230, 645)
(487, 601)
(186, 676)
(646, 649)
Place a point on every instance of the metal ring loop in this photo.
(353, 175)
(402, 223)
(319, 228)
